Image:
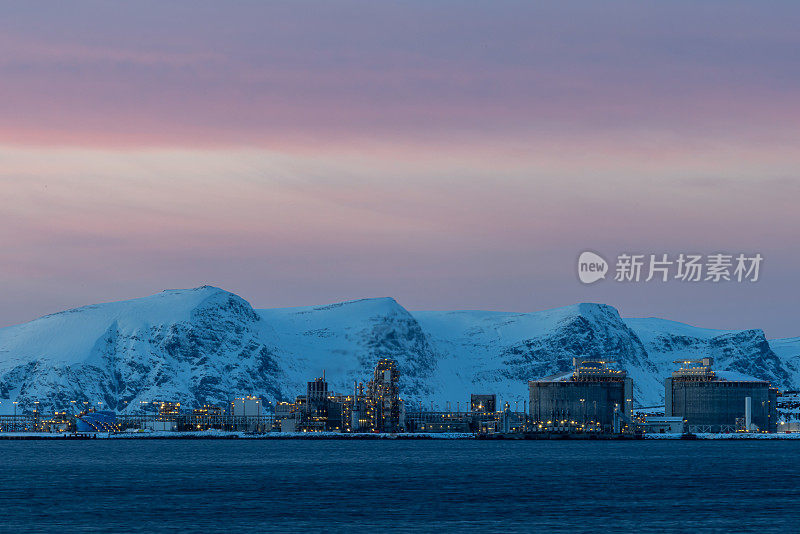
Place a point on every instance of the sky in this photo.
(453, 155)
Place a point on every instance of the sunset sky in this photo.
(453, 155)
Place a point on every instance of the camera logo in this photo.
(591, 267)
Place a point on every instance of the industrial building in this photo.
(483, 403)
(160, 425)
(285, 417)
(378, 409)
(654, 424)
(719, 401)
(439, 422)
(206, 418)
(320, 411)
(383, 390)
(169, 409)
(247, 406)
(59, 422)
(592, 398)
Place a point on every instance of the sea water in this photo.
(398, 486)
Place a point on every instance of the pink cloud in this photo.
(449, 157)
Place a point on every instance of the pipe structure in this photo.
(748, 413)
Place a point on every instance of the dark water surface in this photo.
(407, 486)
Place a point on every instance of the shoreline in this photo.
(212, 435)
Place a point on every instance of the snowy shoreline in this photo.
(733, 436)
(339, 436)
(231, 435)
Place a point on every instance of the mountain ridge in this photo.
(206, 345)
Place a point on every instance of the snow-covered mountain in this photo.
(206, 345)
(788, 351)
(345, 340)
(745, 351)
(195, 346)
(495, 352)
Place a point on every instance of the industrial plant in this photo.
(594, 400)
(719, 401)
(379, 408)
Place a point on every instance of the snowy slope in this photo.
(206, 345)
(194, 346)
(70, 336)
(495, 352)
(346, 340)
(743, 351)
(788, 350)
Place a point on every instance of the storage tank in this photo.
(587, 397)
(716, 401)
